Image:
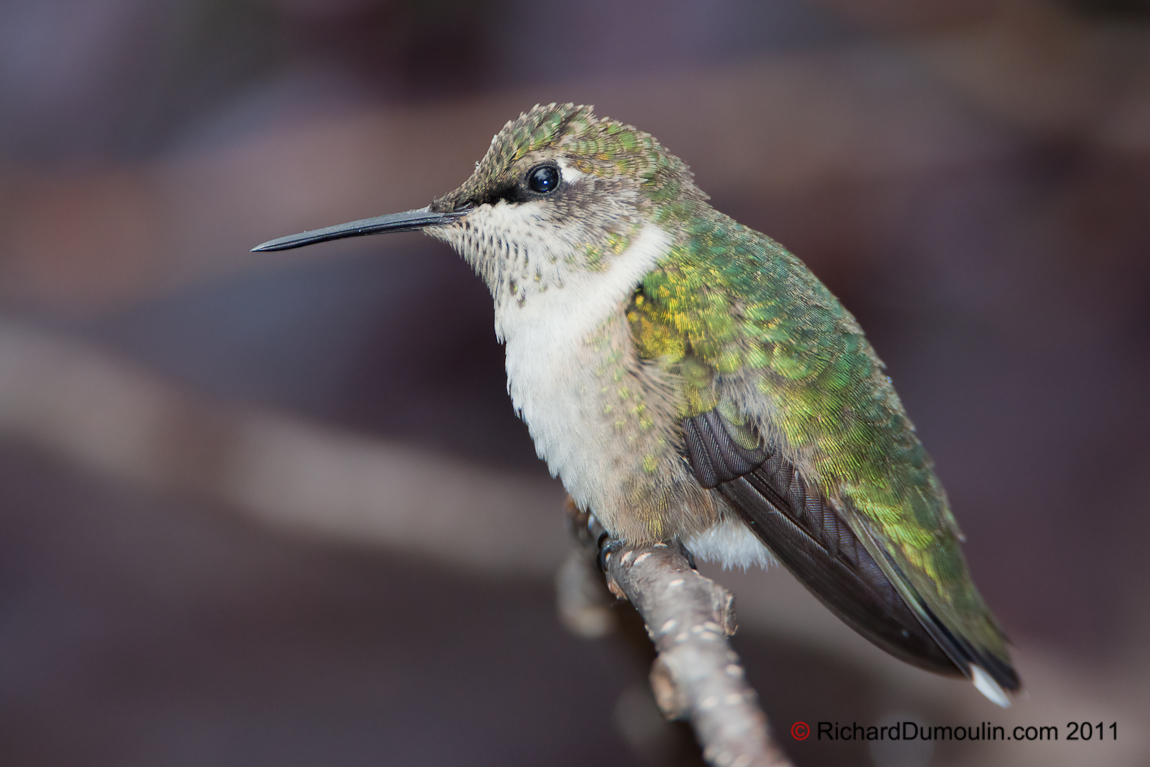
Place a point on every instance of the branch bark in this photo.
(696, 676)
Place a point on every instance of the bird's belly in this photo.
(631, 478)
(606, 426)
(561, 395)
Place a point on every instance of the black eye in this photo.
(543, 179)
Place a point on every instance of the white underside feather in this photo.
(732, 544)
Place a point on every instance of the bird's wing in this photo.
(788, 414)
(851, 573)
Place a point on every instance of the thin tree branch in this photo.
(696, 676)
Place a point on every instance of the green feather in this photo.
(731, 305)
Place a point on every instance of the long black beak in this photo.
(408, 221)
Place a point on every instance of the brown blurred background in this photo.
(277, 509)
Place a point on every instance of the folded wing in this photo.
(848, 571)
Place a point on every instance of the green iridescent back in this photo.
(731, 309)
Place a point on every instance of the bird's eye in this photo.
(543, 179)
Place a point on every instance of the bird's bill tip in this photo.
(408, 221)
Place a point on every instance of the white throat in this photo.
(558, 312)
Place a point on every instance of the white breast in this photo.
(548, 356)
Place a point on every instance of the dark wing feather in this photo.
(815, 543)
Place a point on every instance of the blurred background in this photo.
(276, 509)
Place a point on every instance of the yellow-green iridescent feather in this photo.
(730, 310)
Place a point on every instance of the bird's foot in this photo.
(607, 547)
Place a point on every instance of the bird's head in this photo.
(558, 190)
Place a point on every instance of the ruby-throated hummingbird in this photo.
(690, 380)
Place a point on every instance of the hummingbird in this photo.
(690, 381)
